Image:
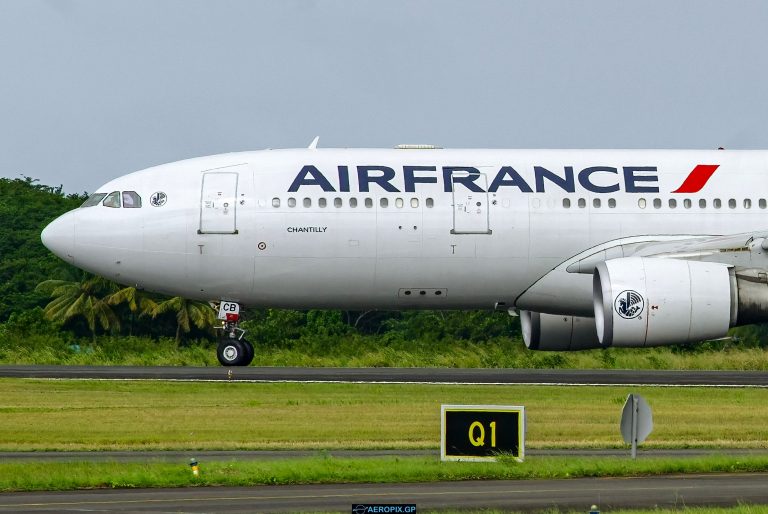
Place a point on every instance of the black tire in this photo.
(231, 352)
(249, 353)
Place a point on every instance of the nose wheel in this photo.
(232, 350)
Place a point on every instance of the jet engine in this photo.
(653, 301)
(553, 332)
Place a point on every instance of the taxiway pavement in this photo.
(397, 375)
(607, 493)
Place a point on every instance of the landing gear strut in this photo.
(232, 350)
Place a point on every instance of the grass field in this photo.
(74, 475)
(373, 352)
(98, 415)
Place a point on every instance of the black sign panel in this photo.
(482, 432)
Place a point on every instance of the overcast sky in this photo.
(90, 90)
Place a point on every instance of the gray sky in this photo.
(90, 90)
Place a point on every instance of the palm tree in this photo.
(85, 298)
(188, 313)
(136, 301)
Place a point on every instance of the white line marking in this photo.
(400, 382)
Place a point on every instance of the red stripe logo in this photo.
(697, 178)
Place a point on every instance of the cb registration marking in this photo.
(228, 308)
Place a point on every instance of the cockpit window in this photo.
(131, 200)
(94, 199)
(112, 200)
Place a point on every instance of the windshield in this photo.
(94, 199)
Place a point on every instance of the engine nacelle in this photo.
(653, 301)
(553, 332)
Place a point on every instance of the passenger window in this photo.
(641, 203)
(732, 203)
(291, 202)
(747, 203)
(566, 203)
(672, 203)
(353, 202)
(596, 203)
(717, 203)
(762, 203)
(687, 203)
(275, 202)
(307, 202)
(430, 203)
(131, 200)
(384, 203)
(611, 203)
(582, 203)
(94, 199)
(657, 203)
(415, 203)
(368, 203)
(399, 203)
(702, 204)
(322, 203)
(337, 202)
(112, 200)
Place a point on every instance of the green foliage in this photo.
(25, 209)
(32, 476)
(137, 302)
(275, 327)
(475, 326)
(188, 313)
(87, 299)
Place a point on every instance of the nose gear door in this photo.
(218, 203)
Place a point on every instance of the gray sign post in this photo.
(636, 421)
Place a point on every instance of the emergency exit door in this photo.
(218, 203)
(470, 208)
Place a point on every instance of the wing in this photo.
(742, 251)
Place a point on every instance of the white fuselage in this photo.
(392, 229)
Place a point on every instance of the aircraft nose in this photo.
(59, 237)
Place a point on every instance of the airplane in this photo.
(592, 248)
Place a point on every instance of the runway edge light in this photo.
(195, 467)
(482, 433)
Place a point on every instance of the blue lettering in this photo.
(631, 179)
(468, 181)
(586, 183)
(364, 178)
(637, 179)
(318, 179)
(411, 180)
(514, 180)
(565, 183)
(344, 179)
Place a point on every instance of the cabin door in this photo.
(470, 208)
(218, 203)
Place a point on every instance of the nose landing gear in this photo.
(232, 350)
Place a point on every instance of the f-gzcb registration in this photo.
(592, 248)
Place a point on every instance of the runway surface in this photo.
(607, 493)
(398, 375)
